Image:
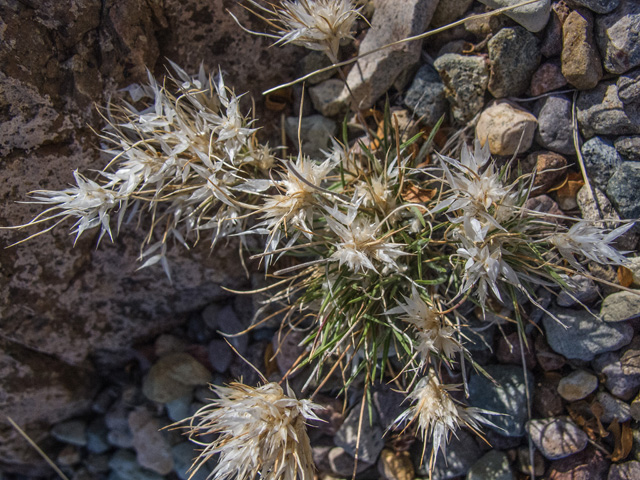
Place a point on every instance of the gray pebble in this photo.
(617, 36)
(628, 147)
(556, 437)
(371, 441)
(494, 465)
(623, 189)
(426, 96)
(554, 124)
(601, 159)
(73, 432)
(599, 6)
(601, 112)
(614, 409)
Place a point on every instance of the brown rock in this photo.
(508, 128)
(547, 359)
(581, 63)
(547, 78)
(396, 465)
(577, 385)
(590, 464)
(550, 168)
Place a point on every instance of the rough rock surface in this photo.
(507, 127)
(581, 64)
(533, 17)
(373, 74)
(59, 302)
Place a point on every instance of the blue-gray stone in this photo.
(578, 334)
(554, 124)
(183, 455)
(316, 132)
(533, 17)
(623, 189)
(599, 6)
(123, 463)
(514, 55)
(601, 159)
(629, 87)
(462, 452)
(73, 432)
(618, 37)
(97, 433)
(494, 465)
(507, 396)
(371, 441)
(426, 96)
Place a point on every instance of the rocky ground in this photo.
(95, 357)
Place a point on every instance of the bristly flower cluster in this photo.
(387, 242)
(260, 433)
(313, 24)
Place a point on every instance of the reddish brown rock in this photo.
(550, 168)
(547, 402)
(581, 63)
(510, 351)
(547, 78)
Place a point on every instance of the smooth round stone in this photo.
(585, 336)
(554, 124)
(174, 376)
(508, 128)
(582, 290)
(493, 465)
(577, 385)
(556, 437)
(507, 397)
(514, 55)
(533, 17)
(614, 409)
(620, 306)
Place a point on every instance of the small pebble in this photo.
(547, 78)
(620, 306)
(396, 466)
(614, 409)
(623, 189)
(533, 17)
(577, 385)
(508, 128)
(493, 465)
(590, 464)
(73, 432)
(556, 437)
(601, 160)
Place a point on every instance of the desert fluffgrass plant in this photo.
(386, 239)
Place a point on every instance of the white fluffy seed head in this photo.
(260, 433)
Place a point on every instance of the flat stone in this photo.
(73, 432)
(547, 78)
(625, 471)
(426, 96)
(507, 127)
(590, 464)
(371, 441)
(507, 397)
(581, 64)
(316, 133)
(623, 381)
(374, 74)
(533, 17)
(152, 448)
(598, 6)
(556, 437)
(179, 409)
(514, 55)
(601, 112)
(493, 465)
(623, 189)
(628, 147)
(123, 463)
(614, 409)
(97, 441)
(601, 159)
(330, 97)
(577, 385)
(554, 124)
(617, 36)
(174, 376)
(466, 80)
(620, 306)
(585, 336)
(582, 290)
